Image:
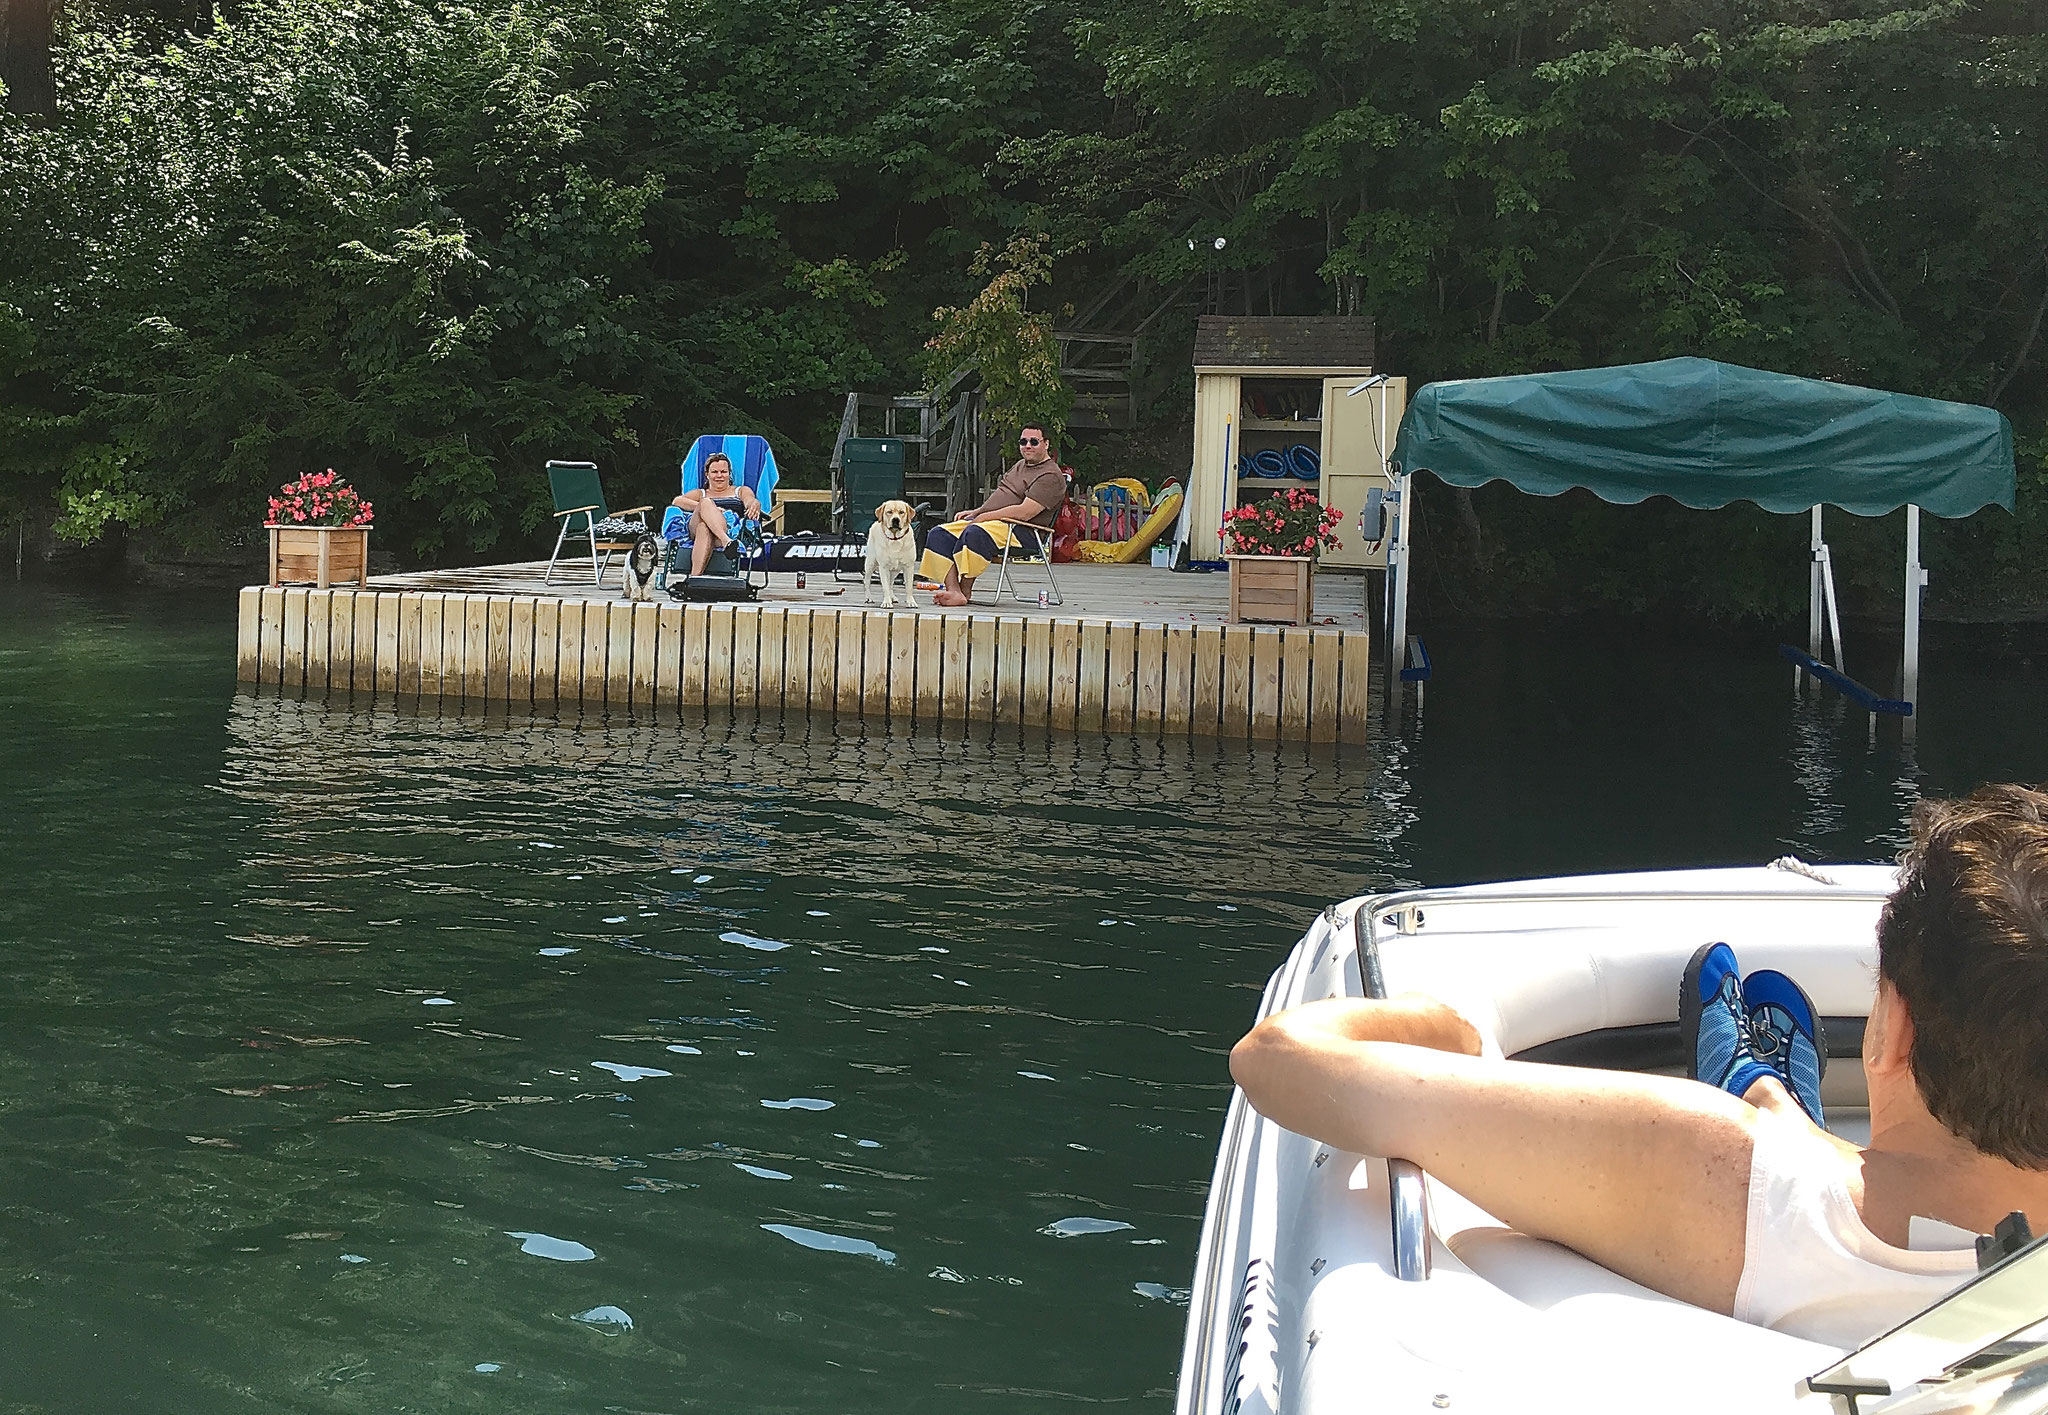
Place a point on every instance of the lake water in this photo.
(365, 1057)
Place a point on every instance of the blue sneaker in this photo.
(1713, 1022)
(1785, 1035)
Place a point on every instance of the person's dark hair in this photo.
(1964, 940)
(1038, 428)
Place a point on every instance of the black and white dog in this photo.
(643, 562)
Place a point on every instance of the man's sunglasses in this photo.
(1029, 441)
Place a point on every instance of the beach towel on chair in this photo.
(753, 465)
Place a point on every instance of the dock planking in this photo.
(1082, 672)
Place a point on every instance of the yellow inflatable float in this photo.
(1123, 552)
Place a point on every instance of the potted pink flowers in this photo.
(1271, 544)
(319, 532)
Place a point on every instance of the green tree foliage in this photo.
(1855, 191)
(1011, 346)
(433, 244)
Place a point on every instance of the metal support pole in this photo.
(1916, 583)
(1816, 548)
(1397, 584)
(1820, 594)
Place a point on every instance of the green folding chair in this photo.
(578, 492)
(870, 472)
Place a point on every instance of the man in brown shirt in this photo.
(1019, 512)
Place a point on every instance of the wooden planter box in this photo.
(319, 555)
(1272, 589)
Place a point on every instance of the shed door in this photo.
(1355, 451)
(1212, 481)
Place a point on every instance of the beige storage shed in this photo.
(1281, 382)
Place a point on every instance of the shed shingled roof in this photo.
(1283, 341)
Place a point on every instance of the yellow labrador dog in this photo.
(892, 551)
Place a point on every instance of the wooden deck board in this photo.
(928, 692)
(874, 680)
(981, 669)
(1355, 656)
(1266, 683)
(249, 635)
(597, 642)
(294, 660)
(953, 671)
(384, 678)
(319, 637)
(1009, 703)
(1205, 708)
(1324, 647)
(746, 659)
(568, 680)
(476, 648)
(902, 682)
(1093, 689)
(498, 662)
(1120, 688)
(1037, 709)
(1150, 680)
(1177, 708)
(412, 613)
(1065, 674)
(646, 632)
(718, 635)
(547, 630)
(852, 630)
(774, 624)
(821, 693)
(1136, 594)
(432, 646)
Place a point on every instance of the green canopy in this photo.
(1705, 434)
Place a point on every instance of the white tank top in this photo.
(1809, 1266)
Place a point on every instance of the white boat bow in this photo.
(1323, 1285)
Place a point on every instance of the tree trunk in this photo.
(27, 28)
(1468, 522)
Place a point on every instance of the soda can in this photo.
(1044, 599)
(799, 579)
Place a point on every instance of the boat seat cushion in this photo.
(1586, 980)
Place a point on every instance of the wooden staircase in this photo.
(947, 465)
(953, 460)
(1099, 346)
(1097, 367)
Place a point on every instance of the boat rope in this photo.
(1793, 865)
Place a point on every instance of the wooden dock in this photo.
(1132, 651)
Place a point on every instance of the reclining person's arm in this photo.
(1646, 1175)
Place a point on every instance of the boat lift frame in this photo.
(1708, 434)
(1824, 629)
(1822, 661)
